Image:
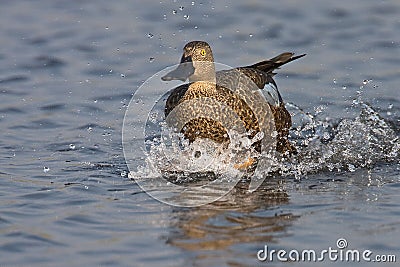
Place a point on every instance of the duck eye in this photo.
(203, 52)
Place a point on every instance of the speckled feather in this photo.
(259, 74)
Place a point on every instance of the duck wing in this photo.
(174, 97)
(261, 74)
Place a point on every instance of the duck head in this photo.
(197, 64)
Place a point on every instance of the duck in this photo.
(229, 89)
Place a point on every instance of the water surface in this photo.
(68, 72)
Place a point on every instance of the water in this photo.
(69, 70)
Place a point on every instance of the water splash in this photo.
(169, 154)
(341, 145)
(323, 144)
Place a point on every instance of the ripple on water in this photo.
(11, 110)
(53, 107)
(39, 124)
(13, 78)
(45, 61)
(99, 217)
(91, 126)
(63, 146)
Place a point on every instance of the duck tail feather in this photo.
(275, 62)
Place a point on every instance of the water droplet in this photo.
(174, 11)
(192, 3)
(151, 59)
(181, 8)
(319, 109)
(71, 146)
(366, 81)
(107, 28)
(326, 135)
(351, 167)
(89, 129)
(122, 75)
(250, 35)
(344, 87)
(186, 17)
(123, 174)
(153, 117)
(46, 169)
(150, 35)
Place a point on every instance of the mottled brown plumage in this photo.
(231, 89)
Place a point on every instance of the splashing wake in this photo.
(344, 146)
(322, 145)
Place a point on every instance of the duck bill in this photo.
(182, 72)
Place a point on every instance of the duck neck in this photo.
(204, 71)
